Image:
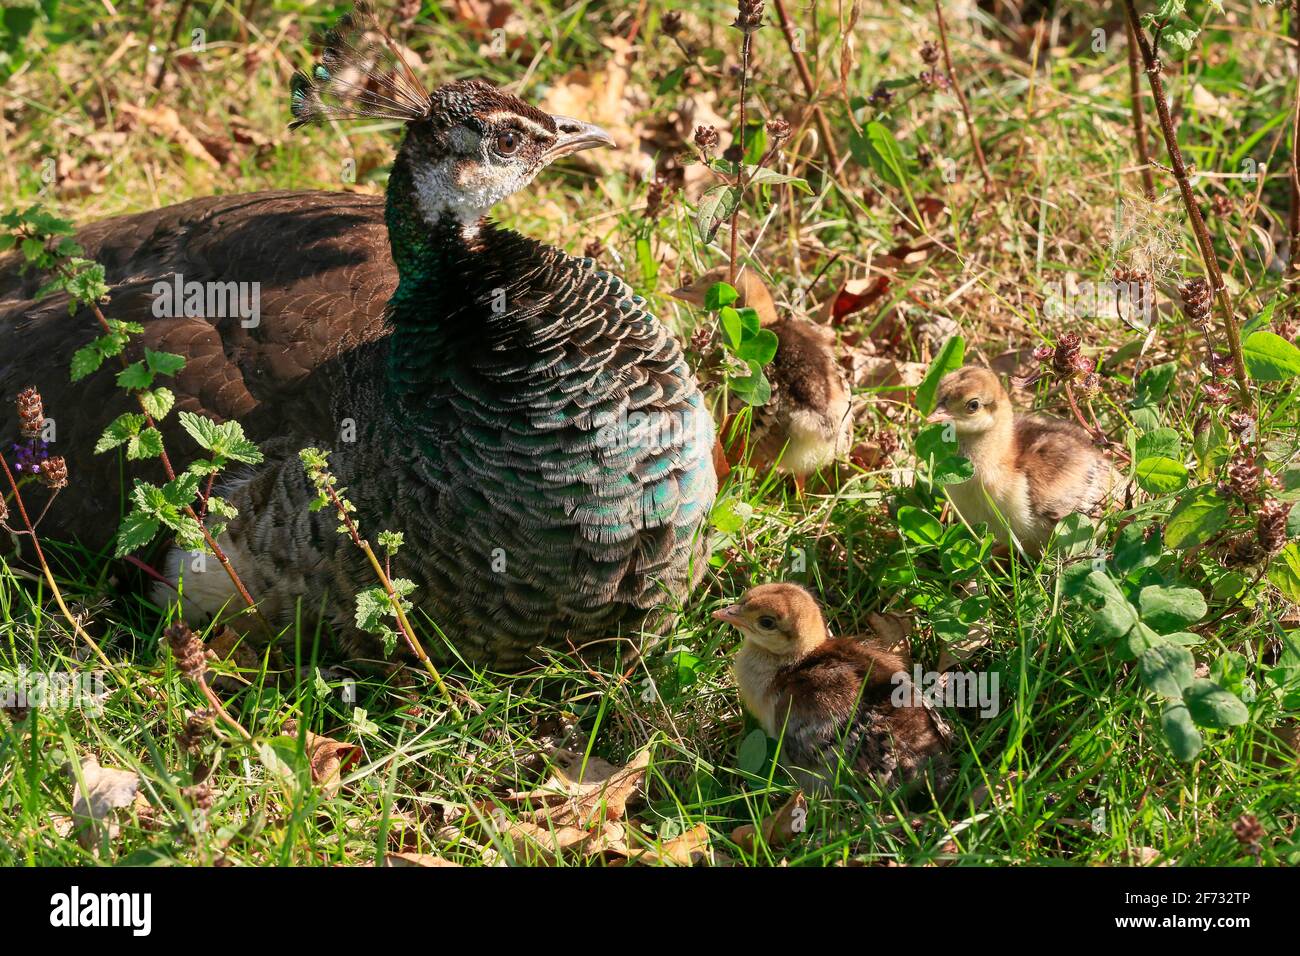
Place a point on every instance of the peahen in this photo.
(516, 412)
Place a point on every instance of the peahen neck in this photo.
(431, 260)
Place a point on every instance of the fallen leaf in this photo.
(778, 828)
(854, 295)
(166, 122)
(686, 849)
(106, 790)
(329, 759)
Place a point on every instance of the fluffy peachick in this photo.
(808, 422)
(1030, 470)
(833, 702)
(474, 386)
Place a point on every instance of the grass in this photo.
(1077, 736)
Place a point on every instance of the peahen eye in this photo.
(507, 142)
(767, 622)
(973, 405)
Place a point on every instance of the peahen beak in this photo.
(575, 136)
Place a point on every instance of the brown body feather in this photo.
(325, 272)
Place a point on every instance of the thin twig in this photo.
(1293, 216)
(1215, 276)
(810, 87)
(408, 632)
(54, 587)
(171, 43)
(1139, 121)
(740, 160)
(961, 97)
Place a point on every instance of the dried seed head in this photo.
(191, 656)
(1196, 299)
(1244, 551)
(930, 53)
(707, 139)
(594, 249)
(702, 338)
(671, 22)
(1246, 480)
(778, 131)
(1241, 423)
(1248, 831)
(198, 727)
(1221, 364)
(1089, 386)
(200, 795)
(733, 153)
(749, 15)
(1216, 394)
(1270, 523)
(881, 96)
(933, 80)
(924, 157)
(54, 473)
(31, 413)
(1222, 204)
(654, 197)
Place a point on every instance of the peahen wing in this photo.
(317, 268)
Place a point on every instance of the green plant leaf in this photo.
(1160, 476)
(147, 444)
(1169, 608)
(716, 206)
(1111, 610)
(135, 532)
(877, 149)
(733, 330)
(1196, 517)
(85, 360)
(1159, 443)
(760, 347)
(752, 755)
(949, 359)
(158, 402)
(1212, 706)
(135, 376)
(921, 526)
(1284, 571)
(720, 294)
(1167, 669)
(1270, 358)
(1138, 546)
(119, 431)
(952, 470)
(163, 363)
(1180, 730)
(766, 176)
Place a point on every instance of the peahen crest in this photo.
(361, 74)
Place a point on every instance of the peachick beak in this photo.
(575, 136)
(938, 417)
(730, 615)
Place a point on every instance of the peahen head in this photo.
(468, 145)
(479, 144)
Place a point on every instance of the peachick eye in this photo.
(973, 405)
(767, 623)
(507, 142)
